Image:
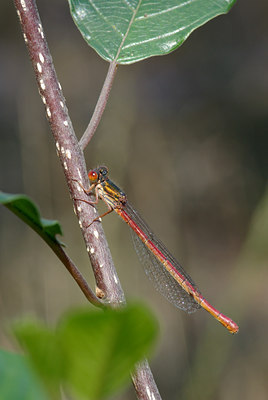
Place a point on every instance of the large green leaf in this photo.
(92, 352)
(131, 30)
(102, 348)
(26, 210)
(17, 382)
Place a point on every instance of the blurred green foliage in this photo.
(90, 352)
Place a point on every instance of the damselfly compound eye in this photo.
(93, 176)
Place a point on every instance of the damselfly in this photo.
(162, 268)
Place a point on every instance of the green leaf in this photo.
(92, 352)
(17, 381)
(44, 353)
(102, 348)
(132, 30)
(26, 210)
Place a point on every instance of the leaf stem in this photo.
(100, 106)
(76, 274)
(57, 248)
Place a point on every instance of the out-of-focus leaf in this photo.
(17, 381)
(132, 30)
(92, 352)
(44, 353)
(26, 210)
(102, 348)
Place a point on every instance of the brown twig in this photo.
(76, 274)
(73, 163)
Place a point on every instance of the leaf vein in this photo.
(129, 5)
(168, 34)
(170, 9)
(128, 29)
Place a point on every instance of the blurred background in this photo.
(185, 136)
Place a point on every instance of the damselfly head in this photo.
(98, 174)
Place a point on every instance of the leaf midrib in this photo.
(127, 31)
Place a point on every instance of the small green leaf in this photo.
(91, 352)
(44, 353)
(26, 210)
(17, 381)
(133, 30)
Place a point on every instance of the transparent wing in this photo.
(162, 280)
